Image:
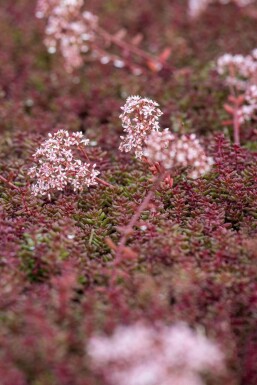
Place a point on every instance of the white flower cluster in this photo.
(197, 7)
(254, 53)
(239, 70)
(177, 152)
(249, 109)
(140, 117)
(69, 29)
(45, 7)
(56, 166)
(74, 33)
(144, 355)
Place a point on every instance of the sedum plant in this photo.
(166, 153)
(197, 7)
(240, 73)
(140, 116)
(171, 152)
(76, 32)
(58, 167)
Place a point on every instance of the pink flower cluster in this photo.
(145, 355)
(249, 109)
(140, 117)
(140, 120)
(56, 166)
(45, 7)
(177, 152)
(239, 70)
(241, 74)
(196, 7)
(75, 33)
(68, 28)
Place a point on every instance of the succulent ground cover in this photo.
(191, 258)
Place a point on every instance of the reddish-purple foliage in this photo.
(194, 245)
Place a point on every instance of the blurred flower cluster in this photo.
(144, 355)
(175, 152)
(240, 74)
(45, 7)
(239, 71)
(75, 32)
(69, 29)
(196, 7)
(249, 109)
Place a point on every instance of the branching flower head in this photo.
(57, 167)
(197, 7)
(74, 33)
(45, 7)
(177, 152)
(140, 117)
(69, 29)
(249, 108)
(239, 70)
(241, 75)
(144, 355)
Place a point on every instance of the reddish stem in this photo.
(99, 180)
(126, 46)
(236, 124)
(9, 183)
(140, 209)
(104, 183)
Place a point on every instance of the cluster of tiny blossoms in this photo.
(144, 355)
(56, 166)
(140, 120)
(75, 33)
(140, 117)
(45, 7)
(249, 109)
(196, 7)
(68, 28)
(239, 70)
(174, 152)
(241, 74)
